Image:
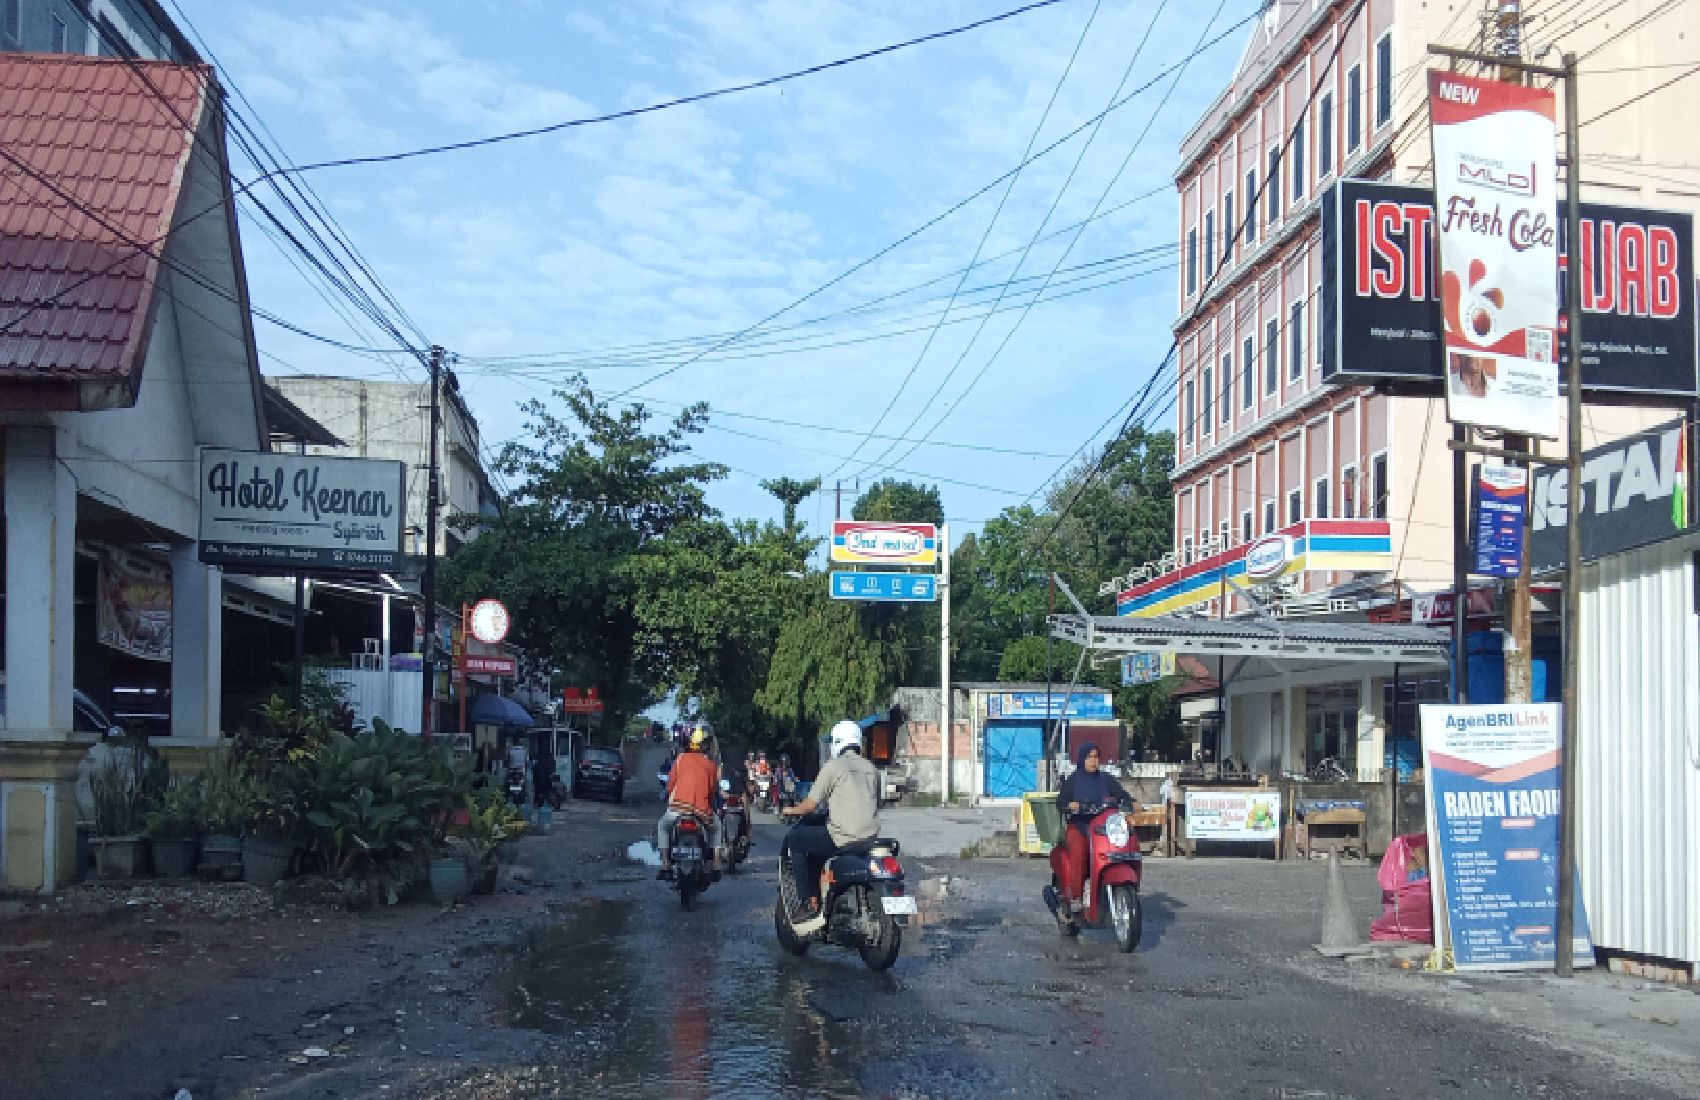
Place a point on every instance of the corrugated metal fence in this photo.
(1638, 778)
(395, 696)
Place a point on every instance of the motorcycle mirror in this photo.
(725, 785)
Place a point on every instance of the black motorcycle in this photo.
(693, 860)
(515, 786)
(734, 825)
(863, 903)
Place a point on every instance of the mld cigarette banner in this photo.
(1495, 179)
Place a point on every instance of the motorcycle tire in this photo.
(880, 956)
(687, 896)
(792, 943)
(1127, 919)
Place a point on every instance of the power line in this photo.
(917, 231)
(699, 97)
(1632, 100)
(991, 223)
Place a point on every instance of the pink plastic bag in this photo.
(1407, 911)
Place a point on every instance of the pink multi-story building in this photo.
(1329, 89)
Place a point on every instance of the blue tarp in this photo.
(495, 710)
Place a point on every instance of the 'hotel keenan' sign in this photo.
(264, 512)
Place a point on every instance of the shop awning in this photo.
(490, 709)
(1273, 639)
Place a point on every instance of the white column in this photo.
(197, 647)
(41, 546)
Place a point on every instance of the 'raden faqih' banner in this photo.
(265, 512)
(1495, 179)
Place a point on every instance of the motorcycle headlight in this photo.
(1116, 830)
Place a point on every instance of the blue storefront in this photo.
(1013, 731)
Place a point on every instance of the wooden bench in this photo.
(1330, 830)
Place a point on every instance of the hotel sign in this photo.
(263, 512)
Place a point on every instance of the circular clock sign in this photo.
(489, 621)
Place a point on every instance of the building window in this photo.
(1245, 525)
(12, 21)
(1354, 108)
(1384, 81)
(1248, 363)
(1325, 136)
(1226, 536)
(1296, 334)
(1186, 550)
(1207, 419)
(1228, 227)
(1187, 427)
(1378, 486)
(1191, 262)
(1296, 152)
(1227, 388)
(1251, 207)
(1319, 499)
(1268, 517)
(1272, 186)
(1295, 506)
(1271, 356)
(1349, 492)
(1209, 242)
(59, 36)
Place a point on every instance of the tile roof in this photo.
(102, 136)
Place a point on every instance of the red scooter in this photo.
(1113, 866)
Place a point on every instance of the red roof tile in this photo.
(101, 135)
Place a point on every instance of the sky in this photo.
(626, 247)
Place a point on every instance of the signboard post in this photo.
(1493, 789)
(266, 512)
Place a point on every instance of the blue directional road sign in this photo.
(885, 587)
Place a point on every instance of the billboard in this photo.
(1381, 295)
(1061, 703)
(884, 543)
(1495, 183)
(267, 512)
(1233, 815)
(1626, 498)
(1501, 499)
(1493, 791)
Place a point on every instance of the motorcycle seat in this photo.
(864, 847)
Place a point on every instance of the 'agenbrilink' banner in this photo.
(1493, 787)
(1495, 179)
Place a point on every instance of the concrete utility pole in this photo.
(944, 663)
(429, 664)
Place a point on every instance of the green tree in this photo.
(894, 501)
(834, 659)
(597, 493)
(790, 493)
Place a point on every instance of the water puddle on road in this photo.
(645, 1010)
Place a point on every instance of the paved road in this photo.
(591, 981)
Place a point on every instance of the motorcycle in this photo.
(764, 783)
(734, 826)
(1113, 871)
(863, 903)
(693, 867)
(515, 786)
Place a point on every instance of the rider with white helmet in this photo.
(848, 786)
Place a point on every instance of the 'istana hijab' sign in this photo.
(268, 512)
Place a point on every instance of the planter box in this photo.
(265, 860)
(120, 856)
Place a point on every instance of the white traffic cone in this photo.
(1339, 927)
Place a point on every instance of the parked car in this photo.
(600, 771)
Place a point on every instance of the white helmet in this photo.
(846, 735)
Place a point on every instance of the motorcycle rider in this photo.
(849, 787)
(1088, 785)
(784, 779)
(691, 789)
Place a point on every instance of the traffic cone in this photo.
(1339, 927)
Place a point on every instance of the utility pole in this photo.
(944, 663)
(838, 500)
(1573, 528)
(1519, 609)
(429, 664)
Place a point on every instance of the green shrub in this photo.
(130, 782)
(180, 813)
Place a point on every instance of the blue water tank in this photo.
(1486, 681)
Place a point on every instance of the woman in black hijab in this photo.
(1087, 786)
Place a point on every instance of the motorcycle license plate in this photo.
(899, 906)
(686, 852)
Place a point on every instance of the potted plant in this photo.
(174, 830)
(226, 793)
(274, 819)
(125, 786)
(490, 822)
